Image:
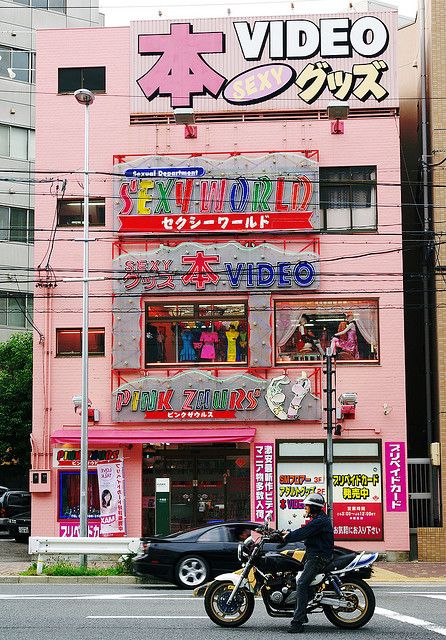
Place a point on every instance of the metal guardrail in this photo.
(80, 546)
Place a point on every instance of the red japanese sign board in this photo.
(237, 222)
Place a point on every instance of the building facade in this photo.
(19, 23)
(425, 211)
(227, 256)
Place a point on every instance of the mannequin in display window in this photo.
(187, 353)
(306, 340)
(151, 343)
(231, 337)
(208, 338)
(345, 339)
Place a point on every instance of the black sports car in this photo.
(191, 558)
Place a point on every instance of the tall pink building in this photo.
(226, 257)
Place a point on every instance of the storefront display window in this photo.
(69, 491)
(305, 329)
(196, 333)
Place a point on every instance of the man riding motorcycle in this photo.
(318, 536)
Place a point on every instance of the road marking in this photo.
(147, 617)
(102, 596)
(416, 622)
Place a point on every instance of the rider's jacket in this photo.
(317, 534)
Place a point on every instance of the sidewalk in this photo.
(384, 572)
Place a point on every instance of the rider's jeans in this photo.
(313, 566)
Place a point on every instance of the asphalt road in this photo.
(136, 612)
(12, 551)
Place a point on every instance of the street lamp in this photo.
(86, 98)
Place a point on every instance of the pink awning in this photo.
(147, 436)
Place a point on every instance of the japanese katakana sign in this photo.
(276, 192)
(396, 485)
(195, 396)
(195, 267)
(357, 501)
(304, 61)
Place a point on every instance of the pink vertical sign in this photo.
(264, 481)
(396, 484)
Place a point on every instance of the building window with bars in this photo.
(348, 198)
(70, 79)
(17, 142)
(52, 5)
(16, 224)
(16, 309)
(17, 64)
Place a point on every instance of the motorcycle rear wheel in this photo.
(233, 615)
(358, 591)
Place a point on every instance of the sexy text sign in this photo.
(276, 192)
(193, 267)
(290, 63)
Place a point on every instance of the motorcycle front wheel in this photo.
(233, 614)
(361, 595)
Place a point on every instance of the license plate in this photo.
(23, 530)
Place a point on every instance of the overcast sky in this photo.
(119, 12)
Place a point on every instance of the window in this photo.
(73, 78)
(348, 198)
(16, 224)
(70, 213)
(54, 5)
(17, 64)
(305, 329)
(196, 333)
(16, 309)
(16, 142)
(69, 342)
(213, 535)
(69, 491)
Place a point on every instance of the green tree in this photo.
(16, 372)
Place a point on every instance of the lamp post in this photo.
(330, 408)
(86, 98)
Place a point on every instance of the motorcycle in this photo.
(346, 600)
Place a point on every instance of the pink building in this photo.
(231, 253)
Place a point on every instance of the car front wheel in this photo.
(191, 572)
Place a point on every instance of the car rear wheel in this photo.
(191, 572)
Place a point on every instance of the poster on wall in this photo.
(111, 496)
(295, 481)
(357, 501)
(72, 530)
(264, 481)
(357, 496)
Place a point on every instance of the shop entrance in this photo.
(208, 484)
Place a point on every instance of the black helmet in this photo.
(315, 500)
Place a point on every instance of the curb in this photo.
(82, 580)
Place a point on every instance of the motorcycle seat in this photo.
(341, 562)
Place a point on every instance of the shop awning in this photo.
(147, 436)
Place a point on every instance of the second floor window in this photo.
(69, 342)
(17, 142)
(53, 5)
(348, 198)
(17, 64)
(16, 309)
(70, 213)
(196, 333)
(16, 224)
(73, 78)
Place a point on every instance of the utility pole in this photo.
(330, 407)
